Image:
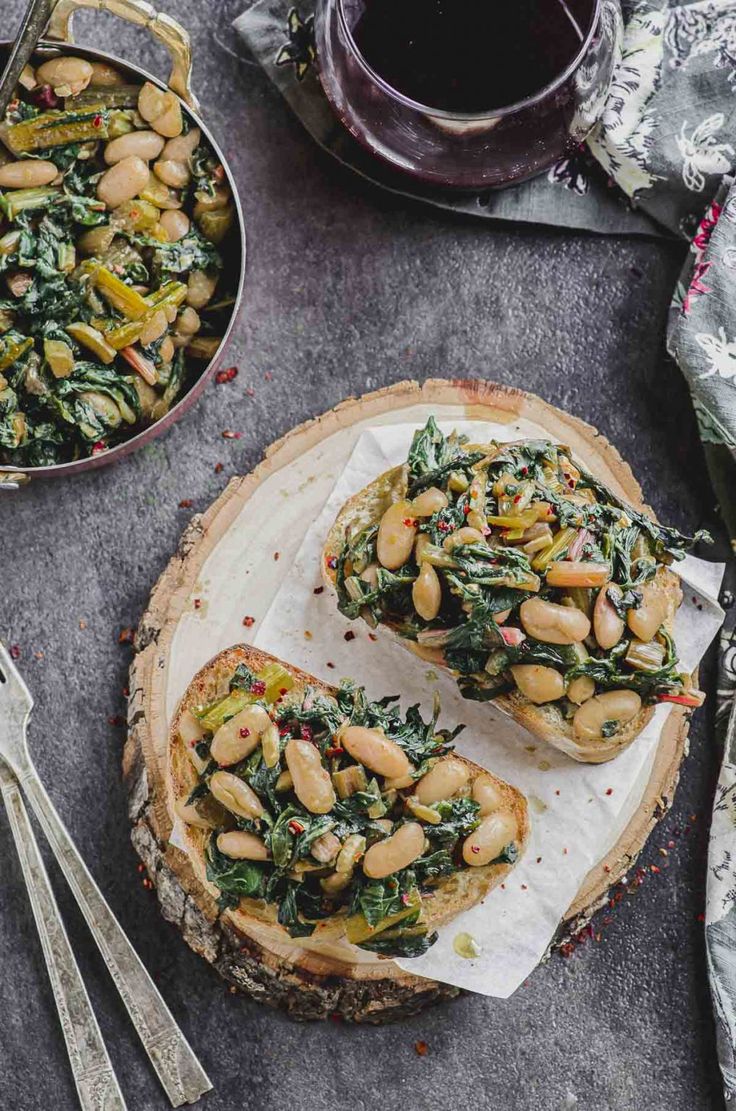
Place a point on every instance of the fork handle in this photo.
(172, 1057)
(97, 1085)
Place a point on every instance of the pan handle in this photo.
(172, 35)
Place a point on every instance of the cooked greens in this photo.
(312, 861)
(108, 256)
(518, 568)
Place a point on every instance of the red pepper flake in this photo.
(349, 635)
(609, 790)
(141, 867)
(335, 1017)
(197, 603)
(336, 750)
(186, 503)
(606, 867)
(219, 468)
(116, 719)
(43, 97)
(99, 447)
(700, 917)
(250, 392)
(295, 826)
(524, 470)
(421, 1048)
(228, 375)
(524, 887)
(475, 848)
(307, 732)
(655, 869)
(245, 732)
(372, 636)
(276, 556)
(318, 590)
(126, 636)
(557, 791)
(228, 435)
(444, 526)
(284, 730)
(267, 376)
(517, 499)
(259, 687)
(410, 522)
(249, 621)
(284, 690)
(332, 562)
(466, 509)
(330, 663)
(97, 121)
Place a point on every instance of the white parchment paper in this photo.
(578, 811)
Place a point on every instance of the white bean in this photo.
(141, 144)
(375, 751)
(105, 77)
(240, 845)
(619, 707)
(235, 795)
(182, 147)
(537, 683)
(200, 288)
(395, 852)
(553, 624)
(464, 535)
(429, 502)
(68, 76)
(396, 534)
(487, 794)
(426, 592)
(581, 689)
(489, 839)
(122, 181)
(442, 781)
(29, 173)
(172, 173)
(607, 625)
(312, 783)
(239, 736)
(646, 619)
(176, 224)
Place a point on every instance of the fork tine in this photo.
(12, 677)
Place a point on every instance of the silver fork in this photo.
(97, 1085)
(172, 1057)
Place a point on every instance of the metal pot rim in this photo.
(149, 433)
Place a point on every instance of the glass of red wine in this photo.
(468, 94)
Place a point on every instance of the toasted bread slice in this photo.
(451, 895)
(546, 721)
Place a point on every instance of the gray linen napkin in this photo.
(660, 162)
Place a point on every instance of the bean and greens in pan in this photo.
(112, 212)
(337, 805)
(517, 569)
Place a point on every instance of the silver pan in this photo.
(177, 42)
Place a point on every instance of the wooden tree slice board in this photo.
(255, 960)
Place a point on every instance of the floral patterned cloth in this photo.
(662, 161)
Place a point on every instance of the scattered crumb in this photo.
(249, 621)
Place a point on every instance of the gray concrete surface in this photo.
(350, 289)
